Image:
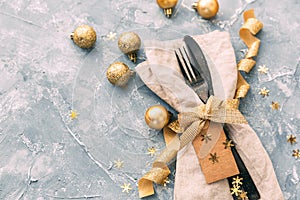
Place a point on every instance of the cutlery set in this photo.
(197, 75)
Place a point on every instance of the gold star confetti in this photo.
(111, 36)
(118, 163)
(291, 139)
(73, 114)
(206, 137)
(151, 151)
(243, 195)
(237, 181)
(235, 190)
(126, 187)
(275, 105)
(296, 153)
(264, 92)
(263, 69)
(166, 181)
(228, 144)
(214, 158)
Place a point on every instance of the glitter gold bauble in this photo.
(157, 117)
(168, 6)
(129, 43)
(206, 8)
(84, 36)
(118, 74)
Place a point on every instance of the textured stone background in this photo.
(46, 155)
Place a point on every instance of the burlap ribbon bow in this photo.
(191, 123)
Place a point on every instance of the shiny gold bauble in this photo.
(168, 6)
(129, 43)
(118, 74)
(84, 36)
(207, 8)
(157, 117)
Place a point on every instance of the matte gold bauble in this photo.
(157, 117)
(84, 36)
(129, 43)
(206, 8)
(118, 74)
(168, 6)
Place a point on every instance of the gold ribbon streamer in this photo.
(250, 28)
(191, 123)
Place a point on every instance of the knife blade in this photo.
(199, 63)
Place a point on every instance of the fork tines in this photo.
(185, 65)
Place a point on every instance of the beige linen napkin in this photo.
(190, 182)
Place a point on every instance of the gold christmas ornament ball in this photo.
(206, 8)
(167, 5)
(157, 117)
(129, 43)
(84, 36)
(118, 74)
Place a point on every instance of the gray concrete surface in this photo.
(46, 155)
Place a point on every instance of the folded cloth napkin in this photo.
(161, 73)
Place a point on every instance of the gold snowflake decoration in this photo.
(166, 181)
(228, 144)
(152, 151)
(291, 139)
(126, 187)
(214, 158)
(118, 163)
(237, 181)
(275, 105)
(243, 196)
(73, 114)
(264, 92)
(296, 153)
(206, 137)
(263, 69)
(111, 36)
(236, 190)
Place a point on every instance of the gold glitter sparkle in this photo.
(296, 153)
(291, 139)
(275, 105)
(118, 163)
(236, 190)
(237, 181)
(243, 196)
(264, 92)
(263, 69)
(166, 181)
(126, 187)
(73, 114)
(228, 144)
(214, 158)
(111, 36)
(151, 151)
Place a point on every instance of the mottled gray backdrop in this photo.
(46, 155)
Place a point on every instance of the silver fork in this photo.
(192, 77)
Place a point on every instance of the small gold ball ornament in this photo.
(129, 43)
(206, 8)
(168, 6)
(118, 74)
(84, 36)
(157, 117)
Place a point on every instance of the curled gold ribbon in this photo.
(191, 123)
(247, 33)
